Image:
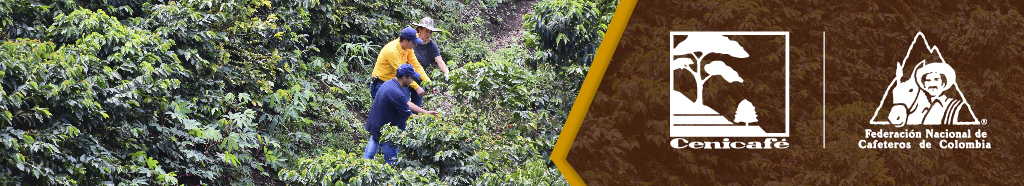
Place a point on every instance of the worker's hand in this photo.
(431, 112)
(421, 92)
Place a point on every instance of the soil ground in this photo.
(506, 23)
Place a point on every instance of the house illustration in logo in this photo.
(694, 118)
(930, 95)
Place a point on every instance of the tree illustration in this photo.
(706, 44)
(745, 113)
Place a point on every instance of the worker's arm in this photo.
(441, 64)
(417, 109)
(419, 69)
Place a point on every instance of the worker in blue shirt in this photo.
(427, 52)
(391, 105)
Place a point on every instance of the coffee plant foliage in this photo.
(255, 92)
(567, 32)
(505, 123)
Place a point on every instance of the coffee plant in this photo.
(254, 92)
(567, 32)
(508, 121)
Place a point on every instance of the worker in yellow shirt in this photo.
(393, 55)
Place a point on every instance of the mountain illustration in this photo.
(905, 93)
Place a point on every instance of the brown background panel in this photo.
(624, 137)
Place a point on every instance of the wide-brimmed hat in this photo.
(940, 68)
(428, 23)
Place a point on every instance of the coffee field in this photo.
(258, 92)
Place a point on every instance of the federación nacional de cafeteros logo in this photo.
(929, 95)
(924, 93)
(729, 84)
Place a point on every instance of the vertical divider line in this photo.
(823, 110)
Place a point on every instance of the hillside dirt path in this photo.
(506, 23)
(503, 22)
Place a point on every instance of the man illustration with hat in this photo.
(393, 55)
(923, 98)
(937, 108)
(428, 50)
(391, 106)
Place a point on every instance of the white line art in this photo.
(694, 118)
(929, 96)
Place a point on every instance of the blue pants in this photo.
(416, 98)
(390, 150)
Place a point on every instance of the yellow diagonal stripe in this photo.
(589, 89)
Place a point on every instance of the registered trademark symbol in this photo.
(984, 121)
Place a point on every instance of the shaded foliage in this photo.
(471, 145)
(566, 32)
(229, 92)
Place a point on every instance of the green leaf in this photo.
(231, 159)
(72, 131)
(7, 115)
(243, 97)
(137, 154)
(151, 163)
(168, 179)
(45, 111)
(28, 139)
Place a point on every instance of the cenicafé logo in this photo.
(715, 67)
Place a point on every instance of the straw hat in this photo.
(428, 23)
